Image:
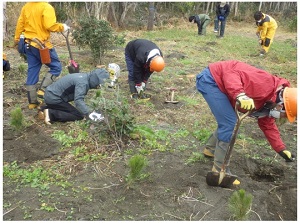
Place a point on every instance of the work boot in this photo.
(220, 152)
(262, 53)
(210, 145)
(134, 96)
(32, 97)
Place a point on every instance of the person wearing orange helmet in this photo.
(142, 57)
(225, 83)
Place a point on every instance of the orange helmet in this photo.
(290, 103)
(157, 64)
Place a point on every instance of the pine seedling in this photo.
(137, 164)
(17, 119)
(240, 204)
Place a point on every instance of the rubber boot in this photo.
(48, 79)
(134, 94)
(32, 96)
(220, 152)
(210, 145)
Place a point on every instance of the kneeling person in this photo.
(72, 87)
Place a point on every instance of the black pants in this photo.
(63, 112)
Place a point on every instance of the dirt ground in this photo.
(174, 190)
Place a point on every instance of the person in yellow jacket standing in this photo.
(266, 28)
(35, 23)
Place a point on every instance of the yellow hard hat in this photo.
(157, 64)
(290, 103)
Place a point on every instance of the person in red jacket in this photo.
(225, 83)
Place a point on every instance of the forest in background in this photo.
(151, 15)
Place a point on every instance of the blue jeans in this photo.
(35, 64)
(130, 65)
(222, 27)
(218, 103)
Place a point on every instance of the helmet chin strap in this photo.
(152, 53)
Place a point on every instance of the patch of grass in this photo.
(240, 204)
(196, 157)
(202, 134)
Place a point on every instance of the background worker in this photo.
(143, 57)
(202, 21)
(37, 20)
(6, 64)
(266, 28)
(73, 87)
(224, 83)
(222, 12)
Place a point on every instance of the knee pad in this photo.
(267, 42)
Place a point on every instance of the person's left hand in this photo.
(66, 27)
(287, 155)
(260, 41)
(139, 88)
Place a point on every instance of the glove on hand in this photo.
(96, 117)
(139, 88)
(221, 18)
(66, 27)
(245, 102)
(287, 155)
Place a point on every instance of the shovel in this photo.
(220, 178)
(73, 66)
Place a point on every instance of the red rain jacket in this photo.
(235, 77)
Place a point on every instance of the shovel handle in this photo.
(68, 43)
(234, 134)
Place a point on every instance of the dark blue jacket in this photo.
(138, 51)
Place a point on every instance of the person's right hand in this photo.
(245, 102)
(96, 117)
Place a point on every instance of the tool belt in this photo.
(44, 51)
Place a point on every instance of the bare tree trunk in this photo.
(236, 9)
(207, 8)
(112, 14)
(259, 8)
(4, 22)
(151, 16)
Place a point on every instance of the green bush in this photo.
(97, 35)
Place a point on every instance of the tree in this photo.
(151, 16)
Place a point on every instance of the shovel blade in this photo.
(212, 179)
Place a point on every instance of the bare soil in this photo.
(174, 190)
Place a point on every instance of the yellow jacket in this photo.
(266, 24)
(37, 20)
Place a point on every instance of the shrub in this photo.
(240, 204)
(17, 119)
(97, 35)
(136, 163)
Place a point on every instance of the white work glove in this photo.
(139, 88)
(245, 102)
(143, 85)
(96, 117)
(66, 27)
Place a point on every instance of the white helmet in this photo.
(114, 70)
